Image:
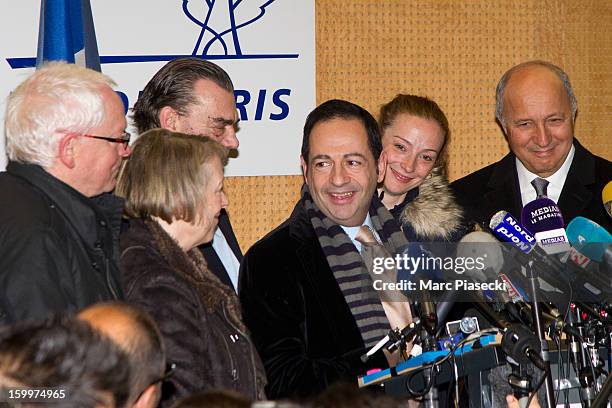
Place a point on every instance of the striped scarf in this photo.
(349, 269)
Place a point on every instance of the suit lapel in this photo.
(575, 196)
(503, 191)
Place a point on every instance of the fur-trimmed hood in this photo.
(434, 213)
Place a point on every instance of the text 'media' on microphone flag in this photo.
(543, 219)
(66, 33)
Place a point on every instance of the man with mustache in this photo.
(59, 229)
(304, 286)
(536, 108)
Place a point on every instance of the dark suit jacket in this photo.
(495, 188)
(212, 259)
(300, 323)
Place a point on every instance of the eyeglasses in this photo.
(124, 139)
(170, 367)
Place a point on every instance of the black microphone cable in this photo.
(537, 388)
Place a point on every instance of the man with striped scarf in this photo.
(306, 292)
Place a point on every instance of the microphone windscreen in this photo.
(606, 196)
(588, 238)
(487, 247)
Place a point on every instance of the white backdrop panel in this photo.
(271, 61)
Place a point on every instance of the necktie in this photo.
(540, 186)
(397, 307)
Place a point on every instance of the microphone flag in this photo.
(589, 238)
(606, 196)
(66, 33)
(542, 217)
(508, 228)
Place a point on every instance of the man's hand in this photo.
(514, 403)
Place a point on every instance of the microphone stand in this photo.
(587, 379)
(536, 314)
(576, 349)
(429, 319)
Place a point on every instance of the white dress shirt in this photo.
(227, 257)
(555, 182)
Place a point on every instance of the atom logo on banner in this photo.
(234, 14)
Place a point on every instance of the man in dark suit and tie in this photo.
(195, 96)
(536, 108)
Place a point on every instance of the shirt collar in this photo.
(555, 181)
(352, 231)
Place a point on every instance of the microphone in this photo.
(606, 196)
(522, 345)
(589, 238)
(484, 245)
(506, 227)
(510, 230)
(481, 244)
(424, 302)
(542, 217)
(475, 244)
(514, 299)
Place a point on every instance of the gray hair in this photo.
(501, 87)
(56, 98)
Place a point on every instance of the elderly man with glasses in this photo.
(65, 141)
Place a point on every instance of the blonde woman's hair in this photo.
(166, 174)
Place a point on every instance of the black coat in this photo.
(58, 248)
(496, 188)
(299, 320)
(202, 333)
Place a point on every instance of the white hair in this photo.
(57, 98)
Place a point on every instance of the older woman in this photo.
(415, 189)
(173, 187)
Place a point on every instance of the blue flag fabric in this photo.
(66, 32)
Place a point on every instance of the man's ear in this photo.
(168, 118)
(304, 168)
(382, 166)
(66, 150)
(149, 397)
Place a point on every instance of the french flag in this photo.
(66, 32)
